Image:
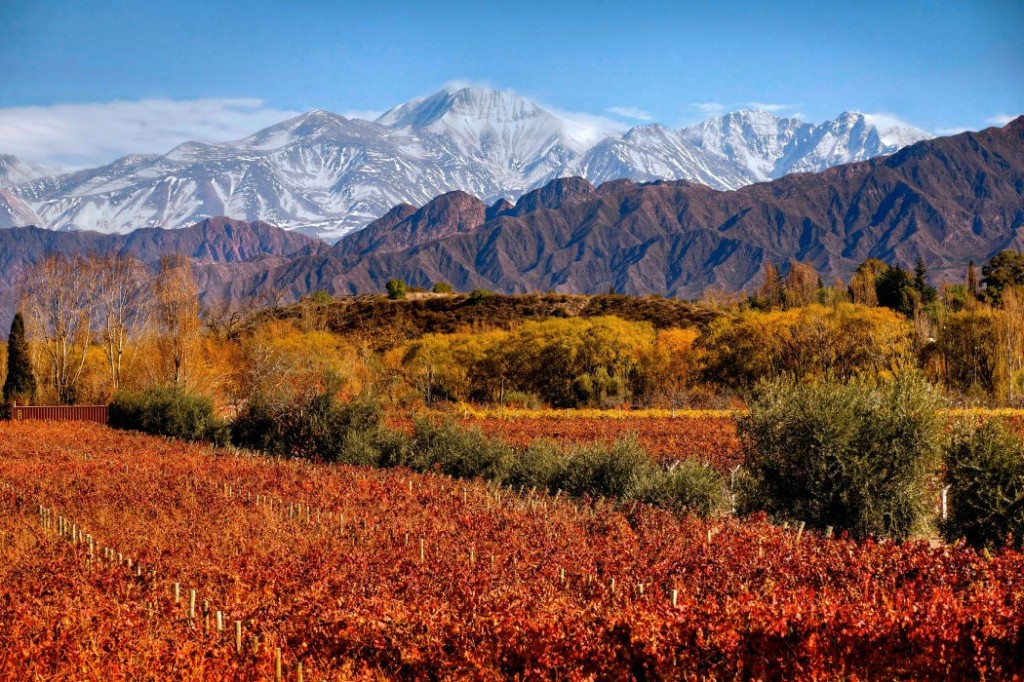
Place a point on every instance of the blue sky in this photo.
(137, 76)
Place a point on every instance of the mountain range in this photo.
(326, 175)
(945, 200)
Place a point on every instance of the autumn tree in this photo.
(122, 309)
(20, 384)
(801, 284)
(58, 298)
(1009, 341)
(176, 316)
(771, 288)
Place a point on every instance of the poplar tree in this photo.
(21, 382)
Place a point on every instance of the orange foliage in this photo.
(368, 574)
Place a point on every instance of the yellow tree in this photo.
(122, 309)
(801, 284)
(176, 316)
(57, 299)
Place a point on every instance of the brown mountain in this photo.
(946, 201)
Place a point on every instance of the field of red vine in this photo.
(122, 554)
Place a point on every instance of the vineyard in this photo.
(133, 557)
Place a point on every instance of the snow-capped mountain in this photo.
(327, 175)
(15, 171)
(770, 147)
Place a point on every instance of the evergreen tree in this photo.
(927, 293)
(21, 382)
(972, 281)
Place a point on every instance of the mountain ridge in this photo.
(326, 175)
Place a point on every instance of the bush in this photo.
(540, 464)
(319, 428)
(620, 470)
(985, 471)
(480, 295)
(855, 456)
(396, 289)
(442, 288)
(168, 411)
(459, 452)
(691, 486)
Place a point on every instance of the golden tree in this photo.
(58, 298)
(176, 317)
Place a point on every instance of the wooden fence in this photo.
(86, 413)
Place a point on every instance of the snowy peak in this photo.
(894, 132)
(327, 175)
(316, 125)
(455, 105)
(15, 171)
(501, 122)
(754, 139)
(770, 146)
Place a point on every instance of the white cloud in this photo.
(363, 114)
(631, 112)
(82, 135)
(999, 119)
(956, 130)
(709, 108)
(767, 106)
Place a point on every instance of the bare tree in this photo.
(57, 300)
(176, 315)
(123, 307)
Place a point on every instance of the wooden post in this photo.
(238, 636)
(298, 671)
(945, 508)
(177, 593)
(191, 604)
(277, 664)
(423, 555)
(828, 532)
(675, 598)
(220, 622)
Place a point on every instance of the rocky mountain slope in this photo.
(326, 175)
(947, 201)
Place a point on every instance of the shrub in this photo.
(540, 464)
(853, 455)
(480, 295)
(319, 428)
(442, 288)
(396, 289)
(985, 471)
(620, 470)
(168, 411)
(691, 486)
(459, 452)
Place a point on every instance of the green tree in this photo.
(985, 472)
(20, 385)
(1005, 269)
(924, 290)
(396, 289)
(442, 288)
(856, 455)
(895, 290)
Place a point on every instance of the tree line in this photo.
(91, 326)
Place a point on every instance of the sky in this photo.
(84, 82)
